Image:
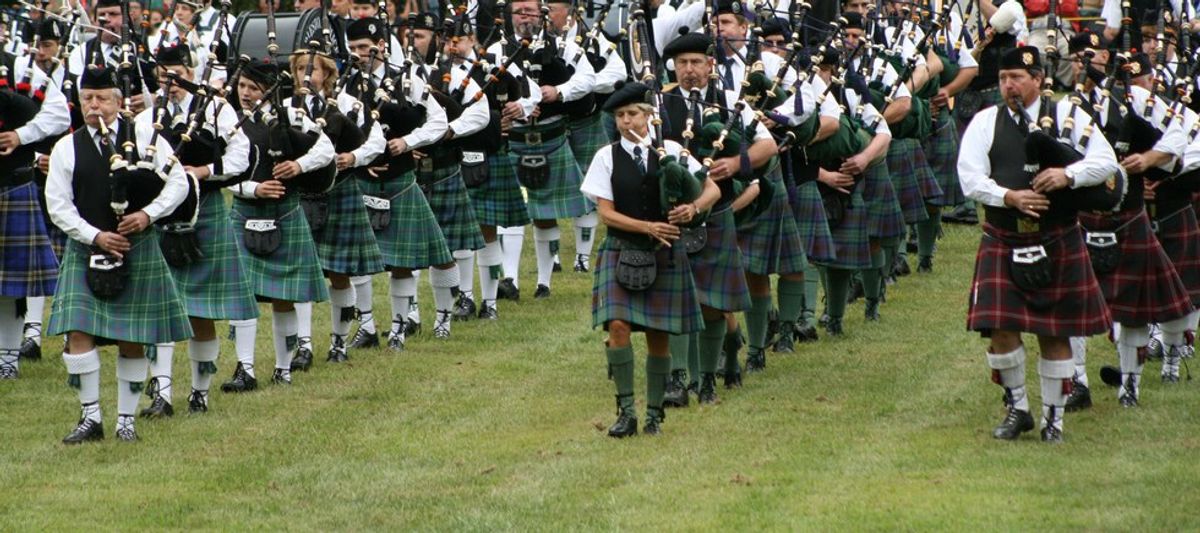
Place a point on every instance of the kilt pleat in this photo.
(1180, 239)
(811, 223)
(586, 136)
(346, 245)
(770, 243)
(293, 273)
(447, 197)
(941, 149)
(852, 246)
(1144, 288)
(28, 264)
(885, 219)
(717, 269)
(413, 239)
(499, 201)
(560, 198)
(1071, 306)
(905, 161)
(215, 286)
(148, 312)
(670, 304)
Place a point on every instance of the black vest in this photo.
(18, 111)
(1111, 129)
(635, 194)
(675, 122)
(506, 89)
(989, 61)
(1007, 158)
(92, 186)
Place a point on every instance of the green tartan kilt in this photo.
(850, 236)
(809, 212)
(447, 197)
(941, 149)
(216, 286)
(670, 304)
(911, 178)
(586, 136)
(560, 198)
(413, 239)
(499, 202)
(346, 245)
(885, 219)
(770, 243)
(293, 272)
(148, 312)
(717, 269)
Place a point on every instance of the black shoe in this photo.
(464, 308)
(1129, 396)
(772, 326)
(1080, 398)
(411, 328)
(241, 382)
(910, 245)
(856, 290)
(805, 332)
(557, 266)
(708, 389)
(1052, 435)
(963, 214)
(159, 408)
(303, 359)
(395, 343)
(925, 265)
(1014, 424)
(198, 402)
(337, 350)
(834, 327)
(871, 310)
(900, 267)
(364, 339)
(582, 263)
(488, 312)
(733, 378)
(86, 430)
(1110, 375)
(30, 350)
(654, 420)
(507, 290)
(756, 361)
(626, 423)
(677, 393)
(542, 292)
(126, 432)
(281, 378)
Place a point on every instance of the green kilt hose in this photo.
(885, 219)
(346, 245)
(28, 265)
(717, 268)
(413, 239)
(447, 197)
(215, 286)
(912, 179)
(941, 149)
(560, 198)
(586, 136)
(669, 304)
(1144, 288)
(851, 244)
(1070, 306)
(149, 311)
(811, 223)
(1180, 238)
(770, 243)
(499, 202)
(293, 272)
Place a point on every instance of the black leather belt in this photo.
(538, 137)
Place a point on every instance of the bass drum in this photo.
(292, 31)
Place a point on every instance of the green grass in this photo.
(500, 428)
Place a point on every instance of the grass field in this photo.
(501, 428)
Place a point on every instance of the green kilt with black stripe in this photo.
(770, 243)
(669, 304)
(413, 239)
(560, 198)
(293, 272)
(215, 286)
(447, 197)
(148, 312)
(346, 245)
(853, 247)
(885, 219)
(717, 269)
(809, 212)
(941, 149)
(911, 178)
(499, 202)
(586, 136)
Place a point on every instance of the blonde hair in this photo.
(299, 62)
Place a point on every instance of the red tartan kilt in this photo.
(1144, 288)
(1071, 306)
(1180, 238)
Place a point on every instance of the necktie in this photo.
(316, 106)
(105, 145)
(638, 159)
(728, 74)
(695, 96)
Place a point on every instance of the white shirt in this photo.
(597, 183)
(60, 196)
(1191, 154)
(853, 100)
(235, 160)
(527, 103)
(614, 66)
(435, 124)
(668, 21)
(975, 167)
(476, 116)
(320, 155)
(54, 117)
(771, 65)
(881, 69)
(374, 144)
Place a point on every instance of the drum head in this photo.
(292, 31)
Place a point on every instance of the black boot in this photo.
(925, 264)
(805, 332)
(756, 360)
(654, 420)
(1014, 424)
(30, 350)
(676, 393)
(626, 423)
(542, 292)
(856, 290)
(1080, 398)
(198, 402)
(900, 267)
(85, 430)
(337, 350)
(772, 326)
(732, 345)
(242, 381)
(1129, 396)
(281, 377)
(464, 308)
(834, 327)
(303, 359)
(871, 310)
(364, 339)
(159, 407)
(507, 290)
(708, 389)
(785, 343)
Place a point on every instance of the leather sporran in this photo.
(262, 236)
(835, 205)
(636, 269)
(1030, 268)
(180, 246)
(967, 104)
(693, 239)
(379, 211)
(1103, 251)
(316, 210)
(107, 275)
(475, 170)
(533, 171)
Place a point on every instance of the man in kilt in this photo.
(212, 284)
(29, 266)
(624, 180)
(114, 285)
(1139, 281)
(545, 163)
(1180, 237)
(1032, 272)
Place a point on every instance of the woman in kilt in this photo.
(1032, 272)
(213, 285)
(623, 180)
(276, 244)
(114, 285)
(345, 243)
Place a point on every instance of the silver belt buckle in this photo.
(104, 262)
(1029, 254)
(533, 137)
(1100, 239)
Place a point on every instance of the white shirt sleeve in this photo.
(1099, 162)
(53, 118)
(666, 26)
(1111, 13)
(475, 116)
(60, 195)
(583, 82)
(1174, 139)
(175, 188)
(597, 183)
(236, 159)
(322, 153)
(434, 127)
(614, 67)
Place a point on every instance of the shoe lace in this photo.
(200, 397)
(337, 342)
(442, 325)
(8, 362)
(155, 386)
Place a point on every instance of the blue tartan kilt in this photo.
(770, 243)
(586, 136)
(149, 311)
(346, 245)
(717, 269)
(941, 149)
(885, 219)
(215, 286)
(291, 274)
(811, 223)
(447, 197)
(28, 265)
(413, 240)
(499, 201)
(911, 178)
(670, 304)
(850, 236)
(560, 198)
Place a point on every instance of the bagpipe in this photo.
(918, 123)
